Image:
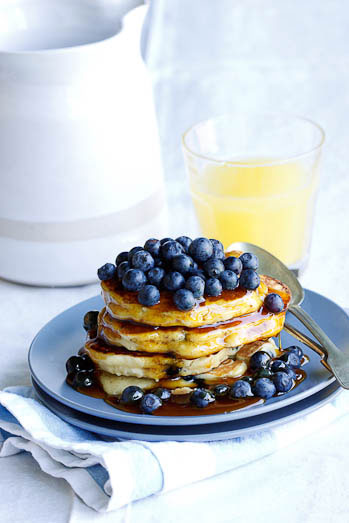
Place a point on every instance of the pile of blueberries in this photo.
(190, 269)
(147, 403)
(269, 377)
(80, 371)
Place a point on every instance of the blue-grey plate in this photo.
(207, 432)
(64, 335)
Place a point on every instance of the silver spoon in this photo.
(272, 266)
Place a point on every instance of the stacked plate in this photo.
(63, 336)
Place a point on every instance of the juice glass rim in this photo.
(237, 163)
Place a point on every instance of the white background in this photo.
(207, 57)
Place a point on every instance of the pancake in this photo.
(124, 305)
(233, 368)
(245, 352)
(121, 362)
(114, 385)
(228, 370)
(183, 342)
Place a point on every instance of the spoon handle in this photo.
(307, 341)
(337, 360)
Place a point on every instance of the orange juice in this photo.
(269, 205)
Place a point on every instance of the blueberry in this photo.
(78, 363)
(198, 272)
(163, 394)
(149, 403)
(240, 389)
(131, 395)
(277, 365)
(106, 272)
(217, 244)
(73, 364)
(217, 253)
(90, 320)
(282, 381)
(185, 241)
(173, 371)
(123, 256)
(259, 360)
(291, 359)
(153, 246)
(201, 398)
(173, 281)
(122, 269)
(281, 366)
(229, 280)
(171, 249)
(155, 276)
(290, 372)
(249, 279)
(87, 363)
(218, 249)
(142, 260)
(249, 379)
(213, 267)
(249, 261)
(149, 296)
(199, 382)
(196, 285)
(213, 287)
(273, 302)
(188, 378)
(83, 378)
(263, 373)
(164, 240)
(233, 264)
(264, 388)
(297, 350)
(182, 263)
(134, 280)
(158, 262)
(221, 390)
(201, 249)
(184, 300)
(133, 251)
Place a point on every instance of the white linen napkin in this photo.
(108, 474)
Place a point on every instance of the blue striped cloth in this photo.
(107, 475)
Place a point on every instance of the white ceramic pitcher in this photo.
(80, 173)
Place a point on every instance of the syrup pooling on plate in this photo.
(186, 330)
(181, 405)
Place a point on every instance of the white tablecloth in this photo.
(206, 58)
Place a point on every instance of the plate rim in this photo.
(142, 419)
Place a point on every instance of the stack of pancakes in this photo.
(162, 346)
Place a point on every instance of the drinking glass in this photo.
(254, 178)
